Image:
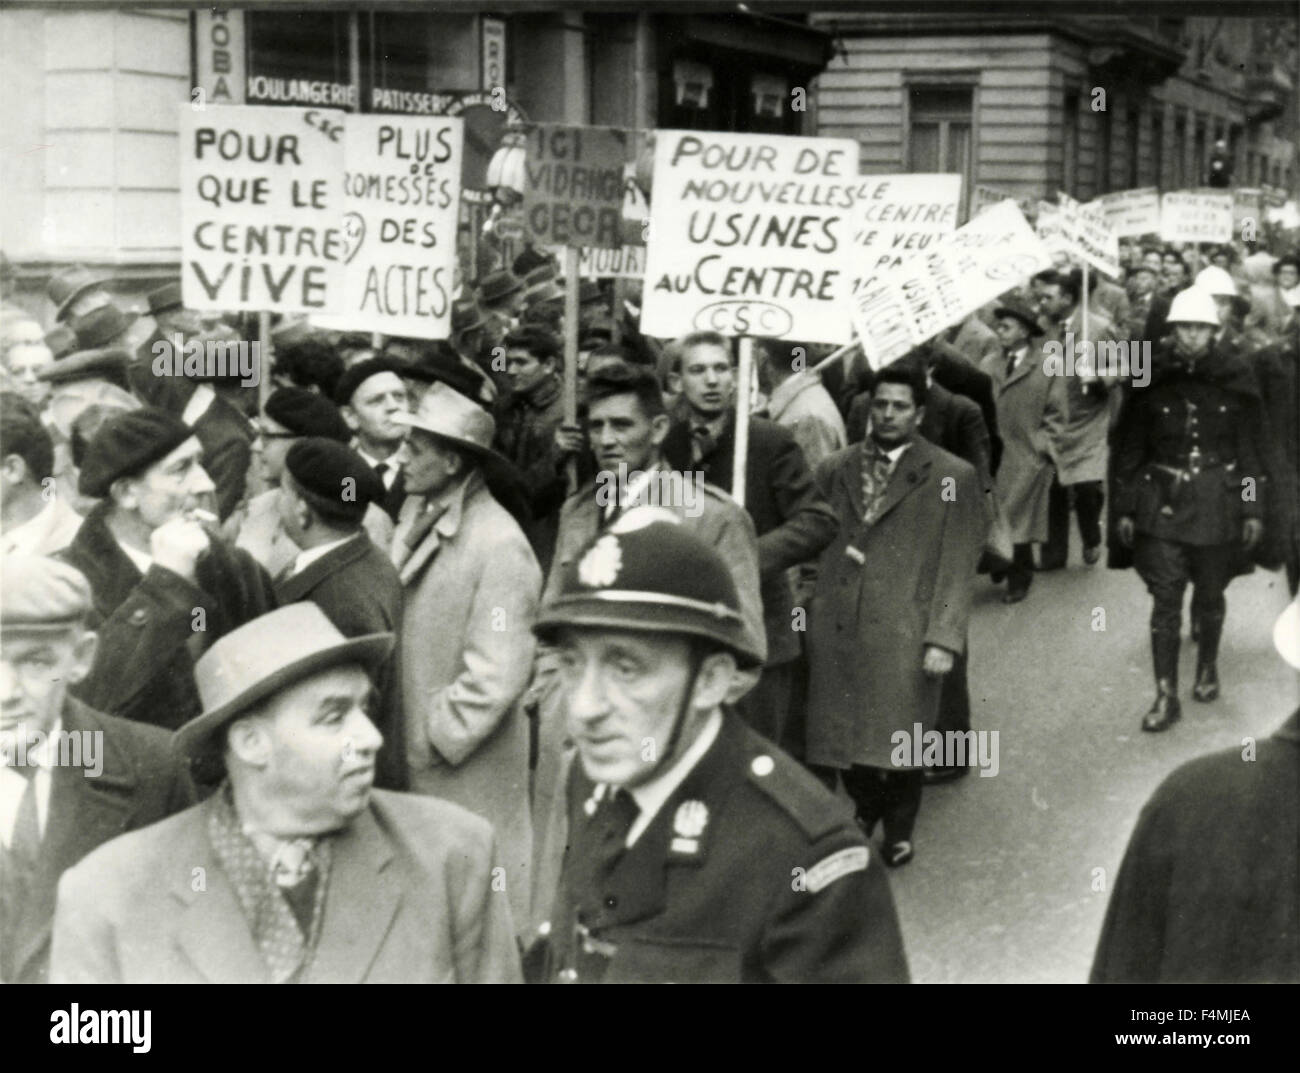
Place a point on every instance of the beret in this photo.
(42, 593)
(304, 413)
(362, 371)
(320, 467)
(127, 444)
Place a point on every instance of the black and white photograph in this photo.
(768, 492)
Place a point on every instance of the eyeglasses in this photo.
(264, 434)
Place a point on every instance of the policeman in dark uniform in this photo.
(698, 851)
(1189, 489)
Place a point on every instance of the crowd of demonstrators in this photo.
(545, 633)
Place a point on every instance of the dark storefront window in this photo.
(726, 90)
(1134, 133)
(298, 58)
(939, 130)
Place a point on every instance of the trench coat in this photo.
(471, 587)
(884, 593)
(1031, 414)
(1081, 440)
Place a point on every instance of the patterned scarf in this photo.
(875, 478)
(269, 890)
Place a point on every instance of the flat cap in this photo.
(127, 444)
(337, 481)
(41, 593)
(304, 413)
(362, 371)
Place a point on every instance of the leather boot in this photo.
(1207, 653)
(1164, 655)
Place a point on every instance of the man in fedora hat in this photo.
(501, 297)
(76, 291)
(1031, 413)
(296, 869)
(71, 778)
(164, 587)
(471, 586)
(698, 851)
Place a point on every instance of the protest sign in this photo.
(1049, 228)
(1247, 204)
(1132, 212)
(902, 215)
(1087, 234)
(401, 192)
(573, 185)
(751, 235)
(627, 262)
(925, 294)
(988, 196)
(1196, 216)
(261, 221)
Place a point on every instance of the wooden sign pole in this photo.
(744, 374)
(268, 359)
(571, 351)
(1084, 305)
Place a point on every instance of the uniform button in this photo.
(544, 928)
(138, 617)
(611, 902)
(567, 976)
(762, 765)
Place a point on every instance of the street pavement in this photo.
(1012, 873)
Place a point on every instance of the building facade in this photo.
(93, 96)
(1036, 103)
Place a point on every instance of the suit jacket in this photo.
(725, 905)
(358, 588)
(410, 900)
(1080, 449)
(141, 781)
(1209, 888)
(884, 593)
(256, 527)
(227, 439)
(805, 407)
(792, 520)
(471, 587)
(144, 665)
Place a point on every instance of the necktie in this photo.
(702, 444)
(296, 875)
(603, 837)
(17, 865)
(1011, 364)
(381, 468)
(875, 478)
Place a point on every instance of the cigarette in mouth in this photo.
(198, 514)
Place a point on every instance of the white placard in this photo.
(1088, 234)
(1132, 212)
(401, 198)
(751, 235)
(909, 304)
(1195, 216)
(261, 215)
(901, 216)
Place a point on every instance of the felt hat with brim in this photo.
(465, 316)
(101, 326)
(1020, 310)
(67, 287)
(545, 291)
(86, 364)
(499, 285)
(446, 413)
(61, 340)
(269, 653)
(165, 298)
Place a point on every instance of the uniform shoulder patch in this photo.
(840, 863)
(798, 794)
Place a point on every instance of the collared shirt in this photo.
(204, 396)
(141, 560)
(49, 530)
(651, 795)
(1015, 357)
(632, 493)
(893, 454)
(310, 555)
(392, 463)
(13, 785)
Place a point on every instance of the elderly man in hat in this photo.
(325, 492)
(34, 518)
(501, 297)
(471, 587)
(164, 587)
(698, 851)
(296, 869)
(256, 526)
(1031, 413)
(71, 778)
(371, 396)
